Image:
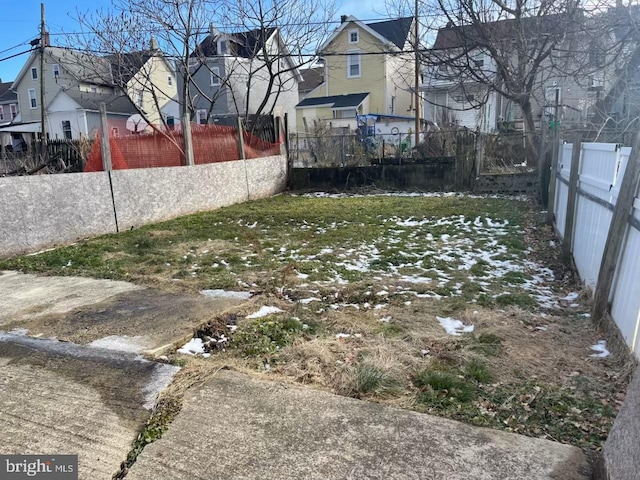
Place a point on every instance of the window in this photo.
(94, 89)
(479, 62)
(139, 98)
(354, 36)
(393, 105)
(353, 64)
(169, 80)
(215, 77)
(56, 70)
(202, 116)
(223, 47)
(115, 131)
(14, 110)
(34, 73)
(33, 102)
(66, 129)
(348, 113)
(1, 112)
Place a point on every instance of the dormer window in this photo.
(354, 36)
(223, 47)
(56, 70)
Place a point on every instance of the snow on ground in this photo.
(194, 346)
(454, 327)
(264, 311)
(600, 348)
(217, 293)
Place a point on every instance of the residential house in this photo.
(229, 76)
(312, 78)
(458, 85)
(368, 70)
(74, 81)
(8, 113)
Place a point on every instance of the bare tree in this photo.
(512, 48)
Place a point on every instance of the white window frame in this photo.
(354, 54)
(1, 112)
(34, 73)
(55, 68)
(202, 115)
(221, 42)
(33, 99)
(115, 131)
(13, 109)
(351, 32)
(64, 131)
(169, 80)
(214, 77)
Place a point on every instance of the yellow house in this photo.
(368, 69)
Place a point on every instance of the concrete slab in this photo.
(61, 398)
(237, 427)
(114, 315)
(27, 296)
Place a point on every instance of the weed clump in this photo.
(487, 344)
(369, 378)
(266, 335)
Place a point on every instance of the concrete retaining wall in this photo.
(39, 211)
(432, 176)
(508, 183)
(622, 449)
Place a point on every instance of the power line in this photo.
(16, 55)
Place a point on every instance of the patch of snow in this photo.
(570, 297)
(192, 347)
(218, 293)
(264, 311)
(454, 327)
(600, 348)
(386, 319)
(306, 301)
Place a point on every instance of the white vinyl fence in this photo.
(601, 169)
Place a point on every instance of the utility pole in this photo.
(416, 85)
(43, 124)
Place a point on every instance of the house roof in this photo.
(116, 103)
(470, 36)
(311, 78)
(82, 66)
(247, 44)
(334, 101)
(391, 32)
(125, 65)
(6, 94)
(397, 31)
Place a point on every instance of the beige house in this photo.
(75, 83)
(368, 69)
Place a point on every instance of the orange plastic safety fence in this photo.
(211, 143)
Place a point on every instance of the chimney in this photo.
(153, 44)
(46, 42)
(343, 18)
(213, 30)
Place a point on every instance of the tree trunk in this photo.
(529, 131)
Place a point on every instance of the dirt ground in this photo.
(456, 305)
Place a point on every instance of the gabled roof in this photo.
(311, 78)
(115, 103)
(247, 44)
(397, 31)
(391, 32)
(334, 101)
(125, 65)
(6, 94)
(470, 36)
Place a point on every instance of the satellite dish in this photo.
(135, 123)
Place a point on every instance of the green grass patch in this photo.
(487, 344)
(369, 378)
(264, 336)
(517, 299)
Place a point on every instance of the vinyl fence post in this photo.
(105, 148)
(572, 198)
(615, 237)
(542, 157)
(188, 140)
